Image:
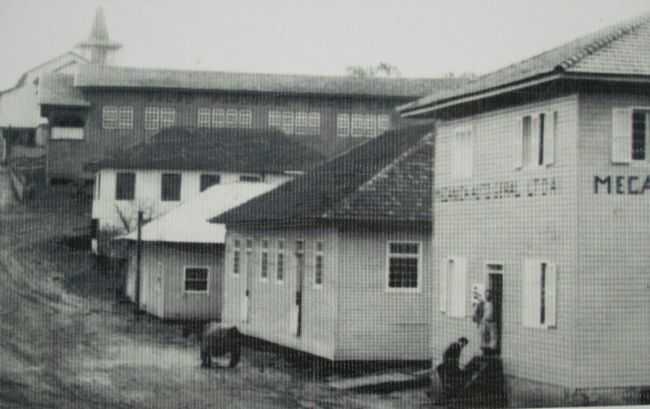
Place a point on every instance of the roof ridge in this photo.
(621, 30)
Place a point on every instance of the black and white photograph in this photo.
(324, 204)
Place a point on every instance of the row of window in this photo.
(170, 185)
(361, 125)
(295, 123)
(539, 289)
(224, 118)
(403, 262)
(290, 122)
(534, 145)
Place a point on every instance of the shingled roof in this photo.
(386, 180)
(224, 149)
(98, 76)
(621, 49)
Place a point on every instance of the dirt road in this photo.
(65, 342)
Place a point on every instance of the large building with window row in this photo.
(100, 108)
(541, 194)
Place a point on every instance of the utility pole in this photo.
(138, 262)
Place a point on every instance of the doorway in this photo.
(494, 283)
(297, 308)
(249, 282)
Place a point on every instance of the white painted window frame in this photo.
(461, 162)
(537, 324)
(445, 305)
(207, 280)
(110, 117)
(151, 118)
(343, 125)
(204, 118)
(418, 257)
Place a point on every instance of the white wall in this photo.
(147, 194)
(19, 107)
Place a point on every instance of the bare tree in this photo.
(383, 69)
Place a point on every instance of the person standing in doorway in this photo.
(488, 326)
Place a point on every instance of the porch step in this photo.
(387, 382)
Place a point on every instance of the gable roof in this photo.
(621, 49)
(220, 149)
(386, 180)
(102, 76)
(73, 56)
(188, 223)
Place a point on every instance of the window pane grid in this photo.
(639, 131)
(196, 279)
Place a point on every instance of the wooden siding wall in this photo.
(67, 157)
(147, 194)
(272, 300)
(507, 230)
(613, 322)
(375, 324)
(167, 299)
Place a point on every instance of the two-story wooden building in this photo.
(541, 194)
(336, 263)
(101, 107)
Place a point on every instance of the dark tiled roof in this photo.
(386, 180)
(57, 89)
(128, 77)
(225, 149)
(623, 48)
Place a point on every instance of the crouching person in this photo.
(452, 377)
(218, 340)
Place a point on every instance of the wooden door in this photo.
(296, 317)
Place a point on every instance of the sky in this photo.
(423, 38)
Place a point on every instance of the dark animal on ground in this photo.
(220, 339)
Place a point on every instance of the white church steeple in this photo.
(98, 48)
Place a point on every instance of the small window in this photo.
(151, 118)
(383, 123)
(300, 246)
(218, 118)
(302, 123)
(275, 119)
(170, 187)
(208, 180)
(343, 125)
(287, 123)
(249, 245)
(264, 260)
(125, 118)
(125, 186)
(245, 118)
(167, 117)
(403, 265)
(204, 118)
(196, 279)
(250, 178)
(232, 118)
(280, 262)
(318, 264)
(236, 258)
(110, 117)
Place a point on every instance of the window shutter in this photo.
(551, 295)
(529, 307)
(518, 144)
(443, 275)
(458, 284)
(454, 166)
(550, 129)
(621, 135)
(534, 141)
(461, 288)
